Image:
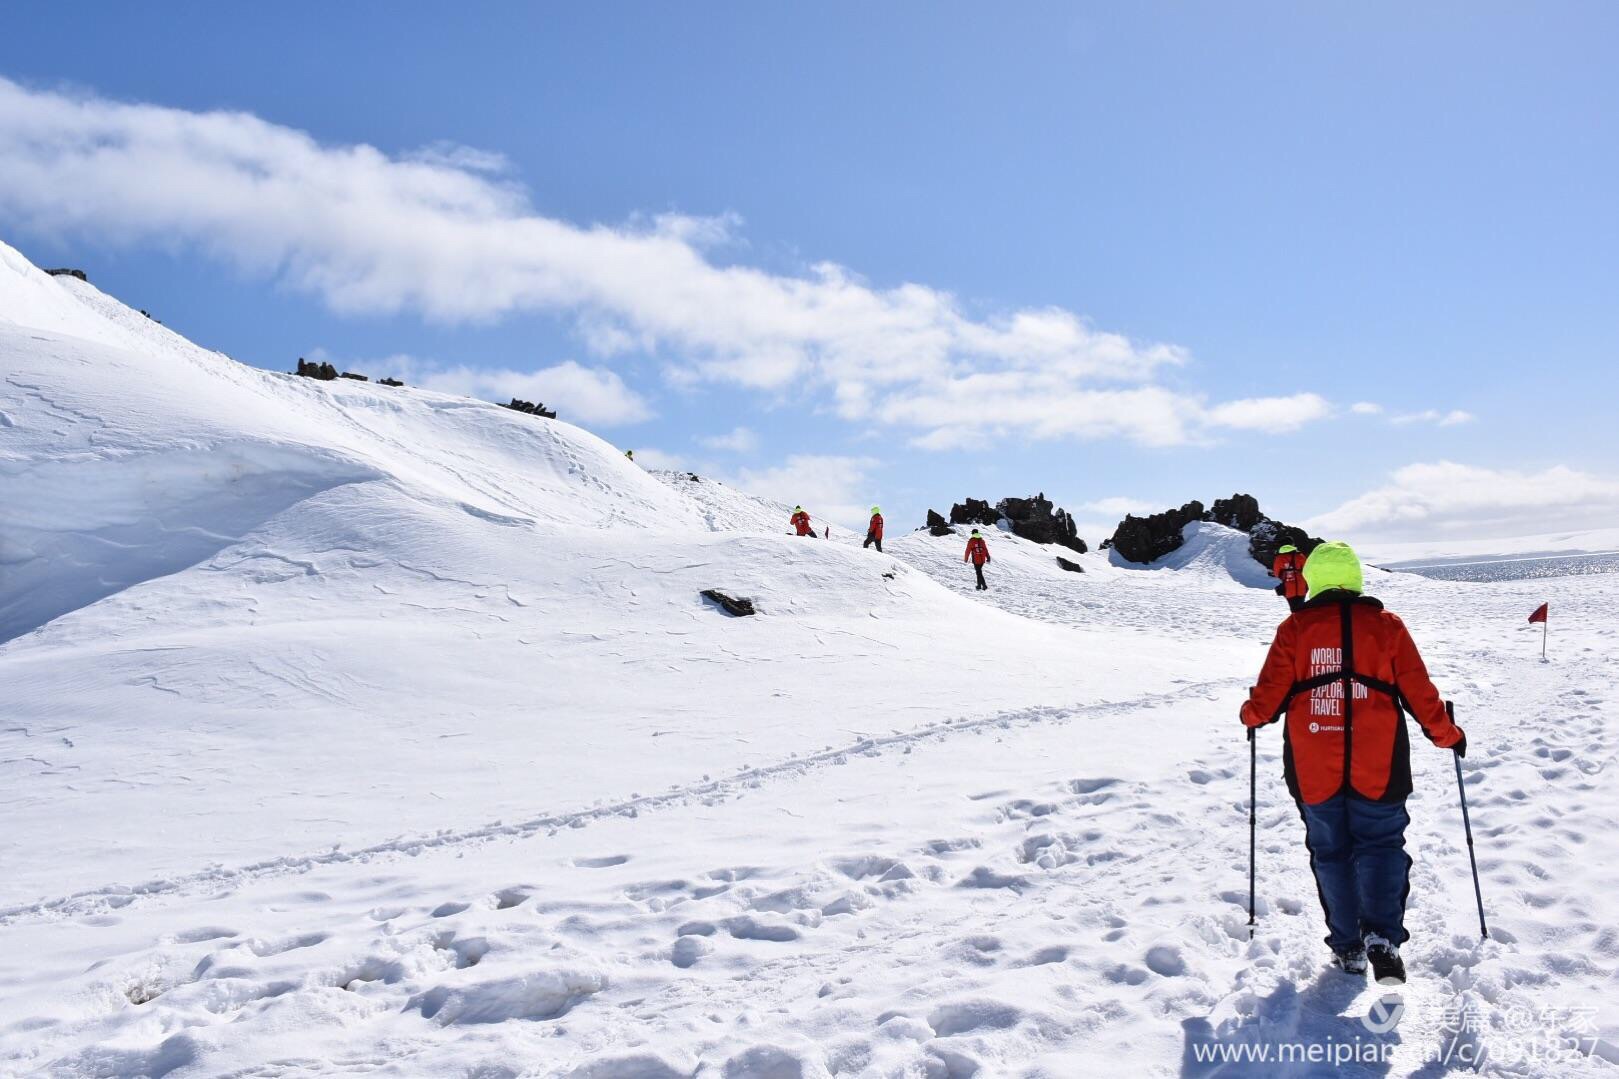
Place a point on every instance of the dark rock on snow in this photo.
(974, 511)
(736, 607)
(323, 371)
(1146, 539)
(1143, 539)
(531, 409)
(1031, 518)
(1038, 520)
(1268, 535)
(63, 271)
(938, 526)
(1071, 567)
(389, 382)
(1239, 511)
(355, 377)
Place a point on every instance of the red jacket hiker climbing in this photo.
(977, 550)
(874, 534)
(1288, 568)
(801, 521)
(1310, 643)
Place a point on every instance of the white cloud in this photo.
(1425, 501)
(445, 233)
(740, 440)
(831, 488)
(1117, 505)
(1433, 415)
(1366, 408)
(578, 393)
(455, 156)
(1275, 415)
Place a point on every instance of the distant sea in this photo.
(1514, 569)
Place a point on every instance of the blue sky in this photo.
(915, 252)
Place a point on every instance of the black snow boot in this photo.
(1350, 960)
(1387, 966)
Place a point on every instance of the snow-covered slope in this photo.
(330, 580)
(356, 730)
(725, 508)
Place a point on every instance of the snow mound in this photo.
(1212, 552)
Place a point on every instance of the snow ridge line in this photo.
(628, 807)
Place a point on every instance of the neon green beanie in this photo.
(1333, 565)
(1286, 548)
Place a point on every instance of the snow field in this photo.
(367, 730)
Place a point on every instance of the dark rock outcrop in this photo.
(531, 409)
(1033, 519)
(938, 526)
(1268, 535)
(1239, 511)
(63, 271)
(1071, 567)
(323, 371)
(355, 377)
(389, 382)
(1038, 520)
(738, 608)
(974, 511)
(1145, 539)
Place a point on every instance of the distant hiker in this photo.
(801, 522)
(874, 533)
(978, 552)
(1288, 568)
(630, 454)
(1346, 758)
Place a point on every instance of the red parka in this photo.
(1289, 569)
(801, 521)
(1330, 745)
(977, 550)
(877, 525)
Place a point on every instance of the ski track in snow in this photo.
(328, 614)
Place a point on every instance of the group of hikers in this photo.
(977, 549)
(1341, 673)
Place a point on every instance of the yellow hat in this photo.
(1333, 565)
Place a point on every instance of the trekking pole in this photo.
(1483, 930)
(1253, 786)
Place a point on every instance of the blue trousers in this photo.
(1362, 872)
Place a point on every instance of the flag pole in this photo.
(1545, 631)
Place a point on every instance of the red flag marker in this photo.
(1545, 626)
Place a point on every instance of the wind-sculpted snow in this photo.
(386, 732)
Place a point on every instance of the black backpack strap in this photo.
(1346, 671)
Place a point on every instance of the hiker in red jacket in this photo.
(1346, 756)
(978, 551)
(801, 521)
(1288, 568)
(874, 534)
